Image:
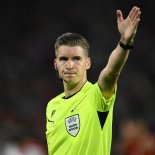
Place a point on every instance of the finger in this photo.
(119, 16)
(133, 12)
(136, 22)
(136, 17)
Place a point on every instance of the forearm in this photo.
(117, 60)
(110, 74)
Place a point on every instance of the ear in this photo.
(88, 63)
(55, 64)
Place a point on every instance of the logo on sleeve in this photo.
(73, 125)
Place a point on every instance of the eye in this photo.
(77, 58)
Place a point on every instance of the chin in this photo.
(70, 81)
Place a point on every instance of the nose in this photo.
(69, 64)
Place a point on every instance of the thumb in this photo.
(119, 16)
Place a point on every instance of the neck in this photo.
(72, 88)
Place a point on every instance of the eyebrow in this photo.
(77, 57)
(74, 57)
(63, 58)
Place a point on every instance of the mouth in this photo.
(68, 73)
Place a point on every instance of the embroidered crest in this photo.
(72, 124)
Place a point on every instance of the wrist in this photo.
(127, 41)
(126, 46)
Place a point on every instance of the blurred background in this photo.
(28, 80)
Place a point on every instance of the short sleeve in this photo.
(99, 101)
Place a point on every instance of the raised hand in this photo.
(128, 27)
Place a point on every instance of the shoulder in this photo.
(90, 87)
(54, 101)
(87, 86)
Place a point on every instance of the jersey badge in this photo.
(73, 124)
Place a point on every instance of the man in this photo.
(73, 123)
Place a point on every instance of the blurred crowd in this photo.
(25, 147)
(19, 136)
(135, 138)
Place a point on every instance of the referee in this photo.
(73, 123)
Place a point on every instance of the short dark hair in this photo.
(72, 39)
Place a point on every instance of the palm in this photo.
(128, 27)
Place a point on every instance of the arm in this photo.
(127, 29)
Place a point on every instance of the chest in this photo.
(71, 116)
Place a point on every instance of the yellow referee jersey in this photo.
(73, 125)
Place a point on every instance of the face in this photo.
(72, 64)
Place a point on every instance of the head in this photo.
(72, 39)
(72, 57)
